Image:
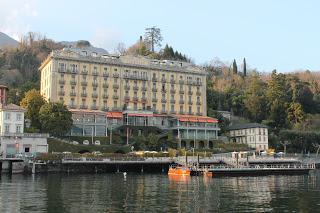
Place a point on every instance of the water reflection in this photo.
(158, 193)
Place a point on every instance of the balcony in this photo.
(84, 83)
(115, 86)
(163, 80)
(172, 91)
(126, 87)
(154, 100)
(181, 92)
(190, 102)
(73, 82)
(154, 79)
(94, 107)
(154, 90)
(135, 98)
(190, 82)
(71, 106)
(83, 107)
(95, 73)
(84, 72)
(116, 109)
(95, 84)
(94, 95)
(73, 94)
(104, 109)
(62, 81)
(181, 102)
(172, 101)
(181, 81)
(61, 70)
(105, 96)
(198, 93)
(61, 93)
(198, 83)
(144, 88)
(135, 77)
(115, 75)
(190, 92)
(181, 112)
(199, 113)
(74, 71)
(135, 88)
(163, 100)
(105, 74)
(172, 81)
(116, 97)
(127, 98)
(144, 99)
(198, 103)
(83, 94)
(163, 111)
(105, 85)
(163, 90)
(173, 112)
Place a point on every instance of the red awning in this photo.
(116, 115)
(140, 115)
(211, 120)
(183, 119)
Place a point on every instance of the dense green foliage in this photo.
(55, 119)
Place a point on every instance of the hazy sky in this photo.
(271, 34)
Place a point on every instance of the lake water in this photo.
(158, 193)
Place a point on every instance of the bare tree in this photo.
(317, 146)
(120, 49)
(153, 37)
(284, 144)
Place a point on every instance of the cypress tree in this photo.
(244, 67)
(234, 67)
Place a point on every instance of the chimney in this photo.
(140, 39)
(3, 95)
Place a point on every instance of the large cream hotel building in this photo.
(88, 80)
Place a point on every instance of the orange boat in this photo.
(179, 170)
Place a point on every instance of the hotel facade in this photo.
(105, 91)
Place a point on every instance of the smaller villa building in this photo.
(253, 134)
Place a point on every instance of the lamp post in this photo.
(284, 144)
(110, 136)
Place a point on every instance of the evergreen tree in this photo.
(153, 37)
(234, 67)
(244, 67)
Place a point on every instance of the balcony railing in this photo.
(190, 102)
(181, 101)
(135, 98)
(105, 85)
(84, 72)
(72, 82)
(163, 90)
(163, 112)
(126, 87)
(115, 75)
(144, 88)
(73, 94)
(105, 96)
(61, 70)
(181, 112)
(95, 73)
(172, 91)
(199, 113)
(94, 107)
(172, 101)
(197, 83)
(154, 100)
(94, 95)
(181, 81)
(83, 106)
(115, 96)
(198, 93)
(127, 98)
(84, 83)
(115, 86)
(190, 92)
(154, 79)
(135, 88)
(136, 77)
(198, 103)
(163, 80)
(62, 81)
(83, 94)
(172, 81)
(105, 74)
(163, 100)
(181, 92)
(95, 84)
(154, 89)
(71, 106)
(116, 109)
(173, 112)
(61, 93)
(144, 99)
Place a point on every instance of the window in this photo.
(190, 110)
(72, 102)
(163, 96)
(198, 99)
(143, 106)
(154, 106)
(127, 93)
(18, 129)
(163, 107)
(6, 128)
(181, 87)
(115, 104)
(181, 108)
(154, 95)
(135, 94)
(135, 83)
(198, 109)
(163, 87)
(84, 90)
(27, 149)
(7, 116)
(135, 106)
(154, 85)
(94, 103)
(172, 107)
(83, 102)
(172, 97)
(181, 97)
(143, 94)
(18, 117)
(189, 98)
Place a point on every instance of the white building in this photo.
(253, 134)
(13, 140)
